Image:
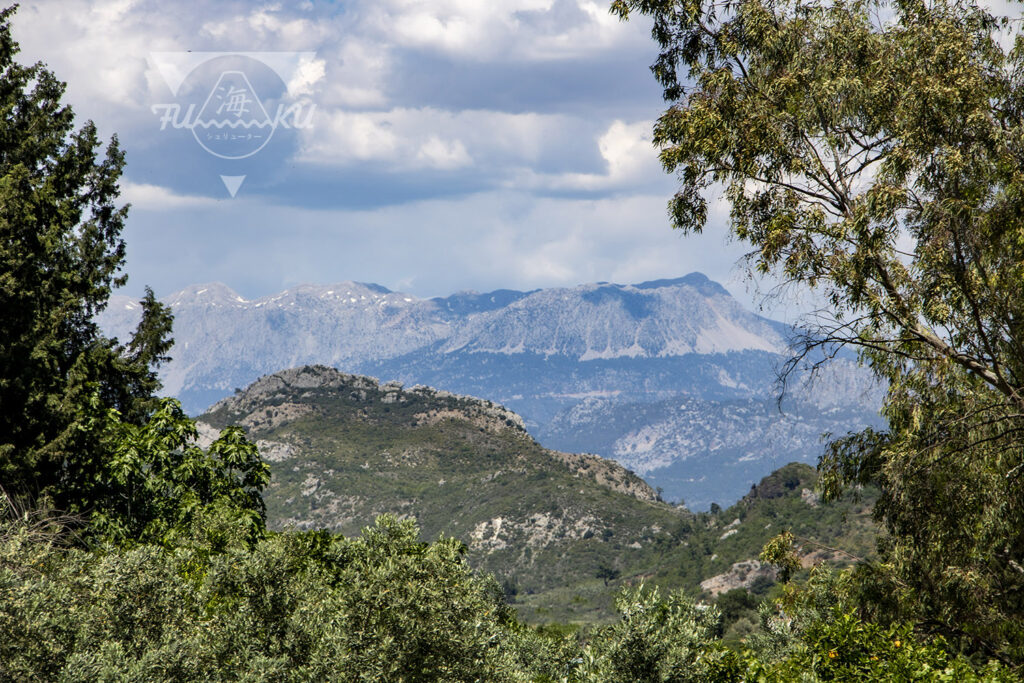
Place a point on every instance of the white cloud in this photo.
(357, 73)
(516, 234)
(443, 154)
(102, 48)
(510, 146)
(626, 147)
(270, 27)
(434, 247)
(153, 197)
(342, 137)
(630, 162)
(105, 47)
(501, 30)
(406, 138)
(308, 75)
(465, 27)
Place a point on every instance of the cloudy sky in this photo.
(449, 144)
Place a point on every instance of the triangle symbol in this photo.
(232, 182)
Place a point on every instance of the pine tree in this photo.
(61, 254)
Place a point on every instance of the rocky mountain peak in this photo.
(209, 294)
(657, 319)
(698, 281)
(298, 383)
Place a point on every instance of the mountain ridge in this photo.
(542, 353)
(376, 324)
(482, 413)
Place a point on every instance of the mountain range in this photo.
(672, 378)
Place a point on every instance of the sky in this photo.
(430, 146)
(440, 145)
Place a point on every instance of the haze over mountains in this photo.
(673, 378)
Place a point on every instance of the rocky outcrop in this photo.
(608, 473)
(740, 575)
(264, 404)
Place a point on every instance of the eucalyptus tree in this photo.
(874, 153)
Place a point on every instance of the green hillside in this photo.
(561, 532)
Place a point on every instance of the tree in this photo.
(606, 572)
(873, 152)
(157, 480)
(60, 256)
(811, 632)
(295, 606)
(81, 428)
(658, 638)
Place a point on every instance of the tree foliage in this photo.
(60, 256)
(81, 429)
(813, 632)
(293, 607)
(659, 638)
(874, 152)
(157, 479)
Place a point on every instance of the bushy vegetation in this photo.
(215, 606)
(298, 606)
(127, 552)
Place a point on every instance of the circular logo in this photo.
(233, 123)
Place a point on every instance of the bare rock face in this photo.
(286, 382)
(810, 497)
(740, 575)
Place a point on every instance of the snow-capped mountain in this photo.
(224, 341)
(603, 321)
(544, 353)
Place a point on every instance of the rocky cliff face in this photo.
(672, 318)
